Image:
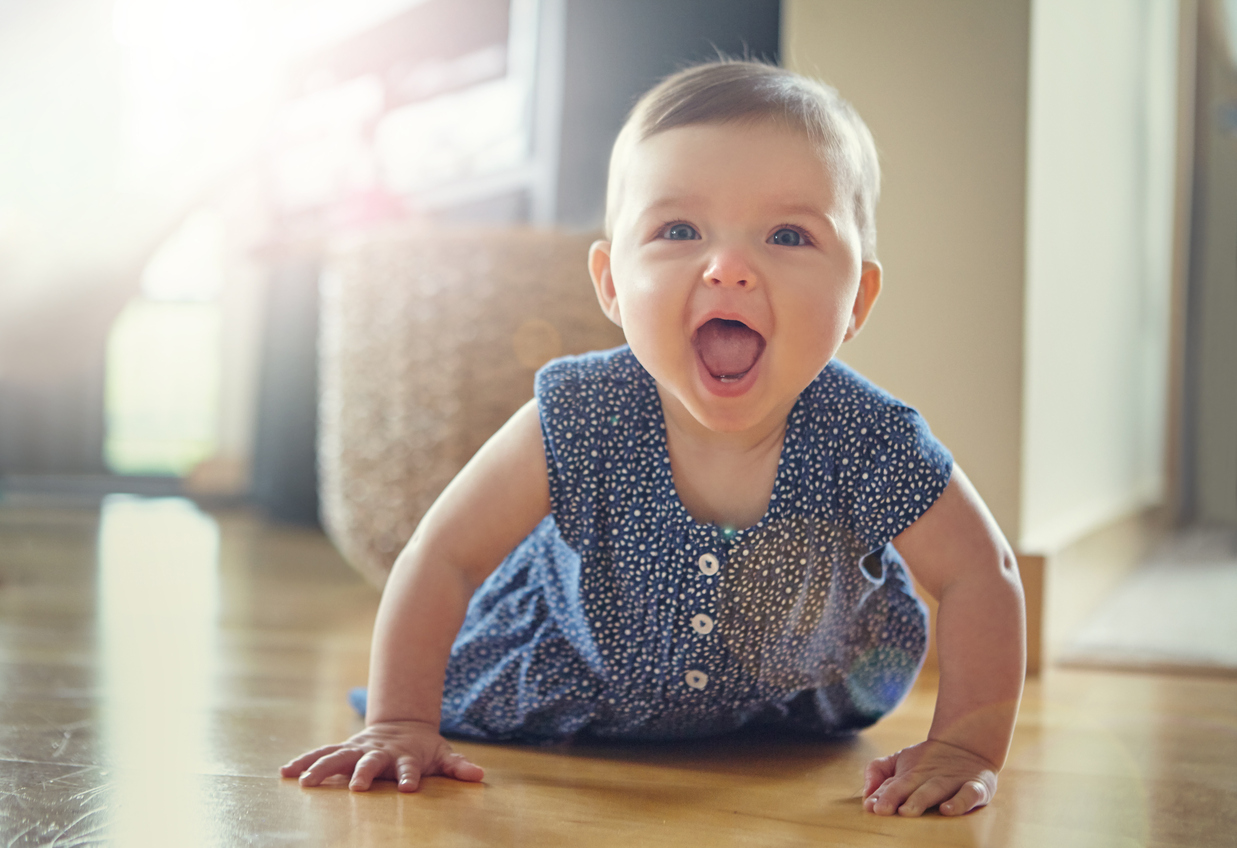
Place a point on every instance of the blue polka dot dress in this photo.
(620, 616)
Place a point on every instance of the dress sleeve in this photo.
(896, 470)
(559, 389)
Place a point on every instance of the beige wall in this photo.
(1026, 232)
(1099, 263)
(943, 86)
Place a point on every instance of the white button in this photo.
(696, 679)
(708, 565)
(702, 624)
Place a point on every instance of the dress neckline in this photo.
(665, 472)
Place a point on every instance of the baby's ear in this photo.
(865, 298)
(603, 280)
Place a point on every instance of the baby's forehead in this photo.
(687, 159)
(701, 135)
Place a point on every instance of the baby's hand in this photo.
(396, 750)
(927, 774)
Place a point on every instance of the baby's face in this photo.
(734, 269)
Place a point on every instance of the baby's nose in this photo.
(729, 268)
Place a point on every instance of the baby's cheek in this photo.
(647, 323)
(820, 330)
(652, 352)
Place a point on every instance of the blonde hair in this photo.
(729, 91)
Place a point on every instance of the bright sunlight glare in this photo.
(158, 604)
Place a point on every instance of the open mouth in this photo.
(728, 349)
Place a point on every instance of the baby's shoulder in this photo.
(842, 395)
(849, 417)
(598, 391)
(596, 373)
(875, 454)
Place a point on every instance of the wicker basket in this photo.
(429, 342)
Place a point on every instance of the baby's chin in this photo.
(694, 409)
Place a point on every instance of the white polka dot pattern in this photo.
(621, 616)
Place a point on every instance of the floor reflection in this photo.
(159, 717)
(158, 610)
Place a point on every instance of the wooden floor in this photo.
(157, 665)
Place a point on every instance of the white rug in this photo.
(1178, 612)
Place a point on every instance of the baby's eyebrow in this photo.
(673, 201)
(805, 209)
(687, 200)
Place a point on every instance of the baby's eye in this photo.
(680, 232)
(787, 237)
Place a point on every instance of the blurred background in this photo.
(171, 171)
(1059, 223)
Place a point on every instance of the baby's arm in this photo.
(492, 504)
(957, 552)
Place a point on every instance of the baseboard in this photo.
(87, 486)
(1064, 588)
(89, 490)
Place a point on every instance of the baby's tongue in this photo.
(728, 348)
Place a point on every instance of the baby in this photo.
(710, 527)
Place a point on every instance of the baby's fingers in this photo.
(974, 793)
(877, 772)
(295, 767)
(408, 773)
(460, 768)
(369, 767)
(452, 765)
(928, 794)
(338, 762)
(888, 797)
